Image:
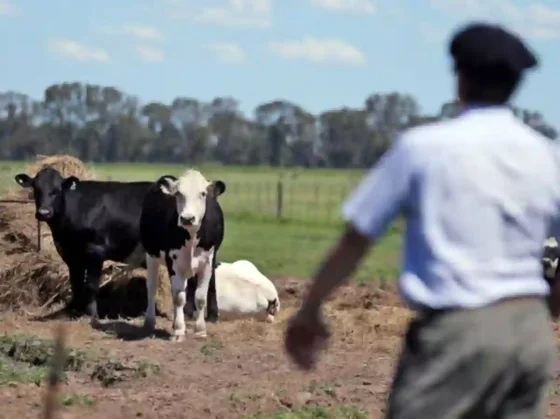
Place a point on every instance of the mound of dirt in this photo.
(31, 279)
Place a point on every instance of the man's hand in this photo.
(307, 333)
(305, 336)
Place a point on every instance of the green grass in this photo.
(293, 249)
(12, 372)
(290, 246)
(342, 412)
(27, 359)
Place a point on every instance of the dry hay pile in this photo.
(365, 314)
(65, 164)
(29, 278)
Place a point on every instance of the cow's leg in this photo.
(201, 295)
(77, 304)
(190, 306)
(178, 285)
(93, 278)
(152, 276)
(212, 315)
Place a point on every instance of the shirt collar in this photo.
(486, 109)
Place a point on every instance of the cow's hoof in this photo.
(94, 321)
(91, 310)
(270, 318)
(201, 334)
(177, 338)
(72, 312)
(212, 318)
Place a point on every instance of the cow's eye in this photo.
(203, 194)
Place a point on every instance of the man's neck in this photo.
(482, 106)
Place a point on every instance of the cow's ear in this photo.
(168, 185)
(70, 183)
(23, 180)
(216, 188)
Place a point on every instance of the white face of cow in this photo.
(191, 191)
(550, 257)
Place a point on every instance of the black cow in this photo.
(91, 222)
(183, 223)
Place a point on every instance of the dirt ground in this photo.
(240, 371)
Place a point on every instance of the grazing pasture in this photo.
(239, 370)
(289, 246)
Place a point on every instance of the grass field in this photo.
(291, 245)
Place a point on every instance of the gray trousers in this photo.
(492, 362)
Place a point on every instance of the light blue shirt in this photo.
(480, 194)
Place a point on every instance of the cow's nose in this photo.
(43, 214)
(187, 221)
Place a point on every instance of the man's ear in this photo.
(70, 183)
(168, 185)
(23, 180)
(216, 188)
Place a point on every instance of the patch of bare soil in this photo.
(240, 371)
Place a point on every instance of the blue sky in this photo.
(320, 54)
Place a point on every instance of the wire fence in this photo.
(282, 200)
(304, 202)
(284, 226)
(299, 203)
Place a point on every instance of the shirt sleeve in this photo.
(382, 194)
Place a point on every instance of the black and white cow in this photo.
(183, 224)
(549, 260)
(91, 222)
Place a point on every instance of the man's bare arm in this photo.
(337, 268)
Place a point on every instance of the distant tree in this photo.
(103, 123)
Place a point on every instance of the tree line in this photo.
(105, 124)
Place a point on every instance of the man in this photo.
(479, 193)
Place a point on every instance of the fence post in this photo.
(38, 236)
(55, 374)
(279, 198)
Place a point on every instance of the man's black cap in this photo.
(489, 52)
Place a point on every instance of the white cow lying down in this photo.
(243, 291)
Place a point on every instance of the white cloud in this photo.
(228, 52)
(73, 50)
(535, 21)
(143, 32)
(544, 15)
(467, 7)
(255, 14)
(149, 54)
(346, 6)
(174, 9)
(323, 51)
(9, 9)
